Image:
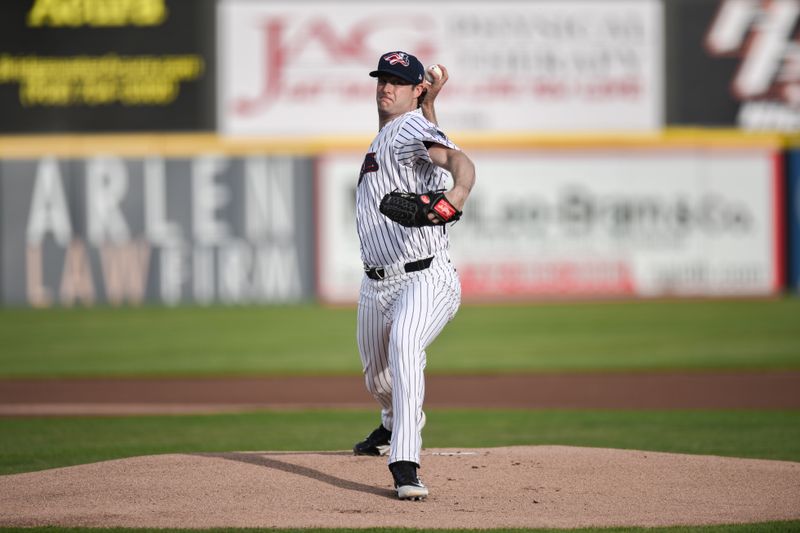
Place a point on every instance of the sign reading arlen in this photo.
(128, 231)
(102, 65)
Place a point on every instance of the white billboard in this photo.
(583, 223)
(301, 68)
(203, 229)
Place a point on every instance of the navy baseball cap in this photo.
(402, 65)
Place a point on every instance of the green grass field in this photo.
(29, 444)
(598, 336)
(641, 335)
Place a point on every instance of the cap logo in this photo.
(396, 57)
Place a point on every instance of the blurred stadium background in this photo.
(168, 153)
(183, 172)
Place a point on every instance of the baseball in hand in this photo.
(433, 73)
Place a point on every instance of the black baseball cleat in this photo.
(408, 485)
(377, 443)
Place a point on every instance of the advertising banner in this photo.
(106, 230)
(591, 223)
(98, 65)
(733, 63)
(301, 68)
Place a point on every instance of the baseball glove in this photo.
(411, 210)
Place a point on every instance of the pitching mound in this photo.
(531, 486)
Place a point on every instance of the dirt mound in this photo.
(526, 486)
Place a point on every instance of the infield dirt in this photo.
(526, 486)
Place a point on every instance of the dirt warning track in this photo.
(668, 390)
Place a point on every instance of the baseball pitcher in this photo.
(410, 289)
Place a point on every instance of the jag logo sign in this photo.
(301, 68)
(287, 56)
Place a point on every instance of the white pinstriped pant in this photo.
(398, 317)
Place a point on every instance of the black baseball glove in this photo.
(411, 210)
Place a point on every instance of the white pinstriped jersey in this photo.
(398, 159)
(401, 314)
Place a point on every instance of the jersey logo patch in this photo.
(370, 164)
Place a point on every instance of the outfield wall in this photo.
(587, 222)
(201, 228)
(196, 219)
(568, 107)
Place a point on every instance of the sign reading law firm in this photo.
(582, 65)
(100, 65)
(128, 231)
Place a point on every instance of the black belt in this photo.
(378, 273)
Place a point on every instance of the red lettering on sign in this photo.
(282, 48)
